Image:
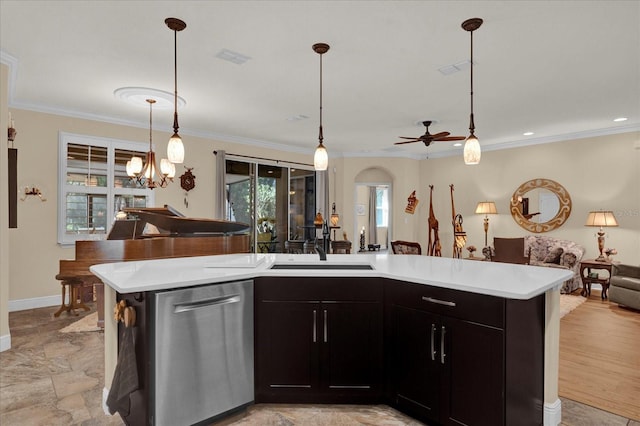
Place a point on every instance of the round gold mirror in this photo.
(540, 205)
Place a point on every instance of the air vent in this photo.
(231, 56)
(452, 69)
(297, 117)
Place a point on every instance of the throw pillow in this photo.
(570, 259)
(554, 255)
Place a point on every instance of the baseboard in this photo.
(553, 413)
(33, 303)
(5, 342)
(105, 395)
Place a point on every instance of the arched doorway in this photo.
(373, 212)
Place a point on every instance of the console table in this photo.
(587, 280)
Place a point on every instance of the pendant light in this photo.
(472, 151)
(175, 148)
(320, 158)
(145, 176)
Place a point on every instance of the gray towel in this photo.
(125, 378)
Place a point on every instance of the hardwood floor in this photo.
(600, 357)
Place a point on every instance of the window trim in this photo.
(64, 139)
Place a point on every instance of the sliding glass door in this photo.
(274, 200)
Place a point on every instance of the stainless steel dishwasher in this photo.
(202, 363)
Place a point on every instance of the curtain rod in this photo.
(263, 158)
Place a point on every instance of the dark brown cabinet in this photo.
(318, 340)
(456, 358)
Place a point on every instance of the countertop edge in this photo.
(188, 272)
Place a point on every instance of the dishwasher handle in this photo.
(205, 303)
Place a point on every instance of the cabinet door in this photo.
(351, 356)
(473, 373)
(288, 361)
(416, 362)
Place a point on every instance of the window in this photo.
(93, 185)
(382, 206)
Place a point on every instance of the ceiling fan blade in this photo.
(439, 135)
(407, 137)
(400, 143)
(451, 138)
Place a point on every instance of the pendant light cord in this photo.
(471, 124)
(150, 125)
(175, 81)
(320, 136)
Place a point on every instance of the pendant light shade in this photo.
(175, 148)
(321, 157)
(472, 150)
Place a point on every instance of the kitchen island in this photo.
(503, 305)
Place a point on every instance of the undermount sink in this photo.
(347, 266)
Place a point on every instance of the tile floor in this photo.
(53, 378)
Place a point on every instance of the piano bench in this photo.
(75, 284)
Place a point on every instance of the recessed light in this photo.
(620, 119)
(138, 96)
(527, 133)
(457, 144)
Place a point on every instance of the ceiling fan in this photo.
(427, 138)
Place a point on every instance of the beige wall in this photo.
(33, 245)
(4, 214)
(598, 173)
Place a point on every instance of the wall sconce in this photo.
(32, 191)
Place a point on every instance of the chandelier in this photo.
(146, 175)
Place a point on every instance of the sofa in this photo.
(556, 253)
(624, 286)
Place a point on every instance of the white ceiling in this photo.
(561, 69)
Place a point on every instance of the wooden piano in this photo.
(175, 236)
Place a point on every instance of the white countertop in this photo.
(496, 279)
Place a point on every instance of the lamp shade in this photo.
(486, 207)
(175, 149)
(472, 151)
(601, 218)
(321, 158)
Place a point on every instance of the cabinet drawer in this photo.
(319, 288)
(463, 305)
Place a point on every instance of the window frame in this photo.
(110, 191)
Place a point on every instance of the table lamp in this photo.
(602, 219)
(486, 208)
